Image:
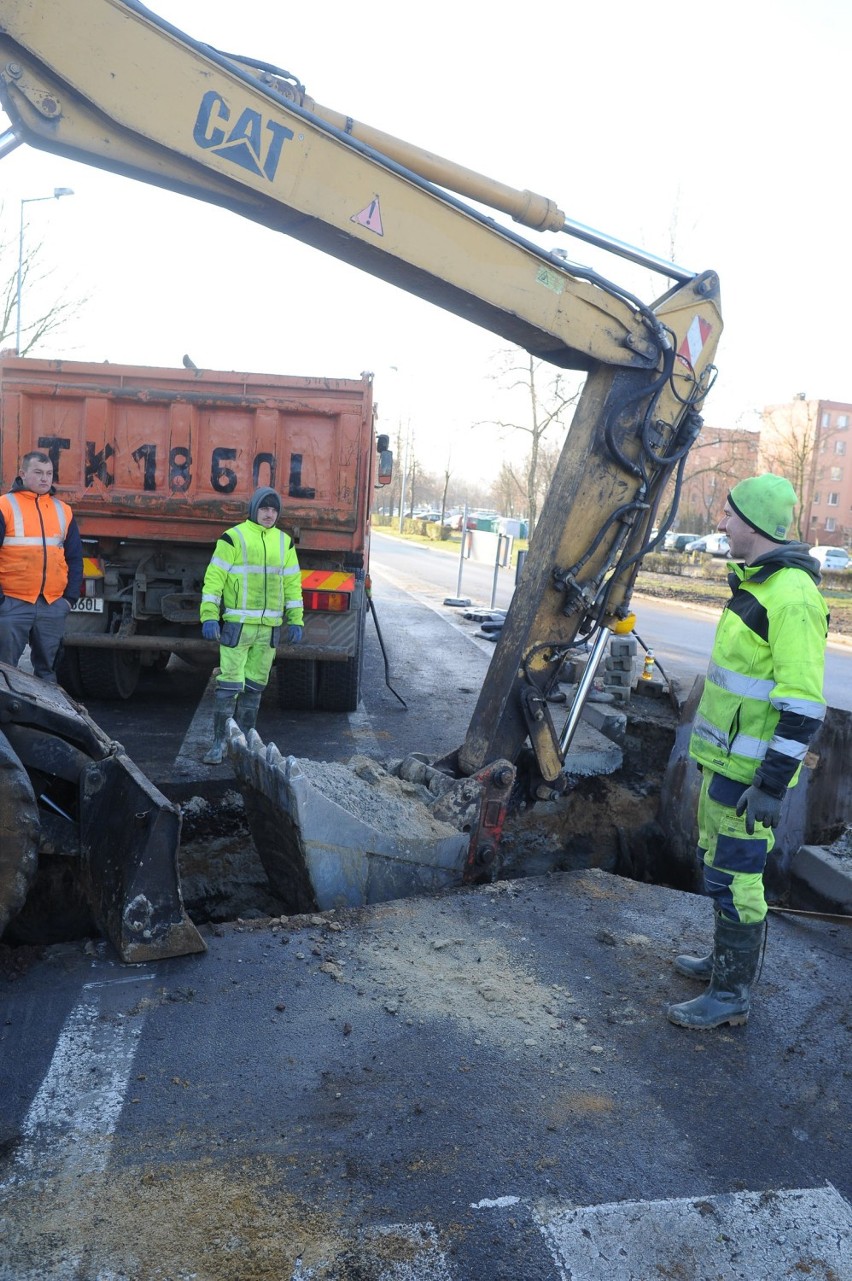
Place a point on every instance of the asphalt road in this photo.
(476, 1087)
(680, 634)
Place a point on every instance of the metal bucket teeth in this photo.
(329, 837)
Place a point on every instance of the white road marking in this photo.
(70, 1123)
(743, 1236)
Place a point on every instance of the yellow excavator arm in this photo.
(109, 83)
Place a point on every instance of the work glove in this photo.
(210, 630)
(294, 634)
(759, 807)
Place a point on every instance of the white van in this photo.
(832, 557)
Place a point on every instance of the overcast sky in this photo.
(718, 134)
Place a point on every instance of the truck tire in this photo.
(339, 686)
(297, 685)
(109, 673)
(19, 833)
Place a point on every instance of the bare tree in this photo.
(717, 461)
(446, 485)
(507, 490)
(790, 445)
(546, 405)
(35, 281)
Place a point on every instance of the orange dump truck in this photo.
(156, 463)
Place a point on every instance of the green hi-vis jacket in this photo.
(763, 699)
(253, 578)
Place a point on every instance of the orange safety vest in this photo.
(32, 556)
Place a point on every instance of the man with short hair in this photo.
(41, 567)
(252, 583)
(761, 706)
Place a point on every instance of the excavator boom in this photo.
(77, 79)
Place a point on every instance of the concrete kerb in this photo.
(825, 875)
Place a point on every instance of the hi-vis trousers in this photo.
(733, 861)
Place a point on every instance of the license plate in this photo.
(88, 605)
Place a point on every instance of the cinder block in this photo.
(622, 646)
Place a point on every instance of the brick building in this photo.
(809, 442)
(720, 458)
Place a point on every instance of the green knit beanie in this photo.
(766, 503)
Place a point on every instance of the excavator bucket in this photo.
(332, 835)
(67, 789)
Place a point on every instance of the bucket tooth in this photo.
(329, 837)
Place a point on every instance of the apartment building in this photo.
(720, 458)
(809, 442)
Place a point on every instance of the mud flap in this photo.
(129, 838)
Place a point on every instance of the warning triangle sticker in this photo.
(370, 217)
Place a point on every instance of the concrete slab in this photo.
(825, 875)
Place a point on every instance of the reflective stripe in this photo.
(800, 707)
(789, 747)
(15, 540)
(246, 615)
(328, 580)
(746, 745)
(709, 732)
(738, 683)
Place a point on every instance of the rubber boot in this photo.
(696, 967)
(248, 705)
(223, 708)
(737, 953)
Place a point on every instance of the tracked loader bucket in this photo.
(67, 789)
(332, 835)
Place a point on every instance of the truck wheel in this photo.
(109, 673)
(339, 686)
(19, 833)
(297, 685)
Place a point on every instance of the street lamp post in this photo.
(29, 200)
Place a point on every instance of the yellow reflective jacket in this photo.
(253, 578)
(763, 701)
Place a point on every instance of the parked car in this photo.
(712, 544)
(674, 542)
(832, 557)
